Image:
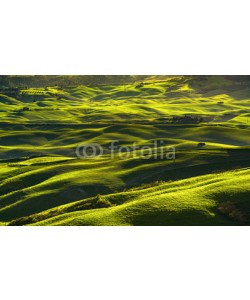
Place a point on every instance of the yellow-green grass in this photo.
(42, 127)
(195, 201)
(57, 138)
(151, 101)
(29, 186)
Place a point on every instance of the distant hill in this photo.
(204, 82)
(69, 80)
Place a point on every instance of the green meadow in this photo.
(205, 119)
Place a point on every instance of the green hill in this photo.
(44, 119)
(217, 199)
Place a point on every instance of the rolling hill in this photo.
(204, 118)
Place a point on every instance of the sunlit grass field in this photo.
(205, 118)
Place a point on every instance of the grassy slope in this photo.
(33, 185)
(119, 103)
(195, 201)
(53, 178)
